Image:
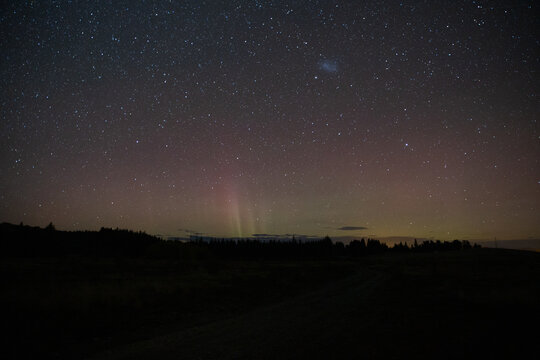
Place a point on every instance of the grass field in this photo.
(481, 303)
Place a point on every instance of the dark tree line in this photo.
(430, 245)
(320, 248)
(27, 241)
(22, 240)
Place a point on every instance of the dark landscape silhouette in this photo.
(23, 240)
(118, 294)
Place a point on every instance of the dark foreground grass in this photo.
(466, 304)
(66, 307)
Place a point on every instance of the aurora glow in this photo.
(238, 118)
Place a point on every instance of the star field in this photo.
(235, 118)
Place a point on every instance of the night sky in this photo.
(233, 118)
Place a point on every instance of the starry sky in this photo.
(233, 118)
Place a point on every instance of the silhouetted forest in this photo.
(28, 241)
